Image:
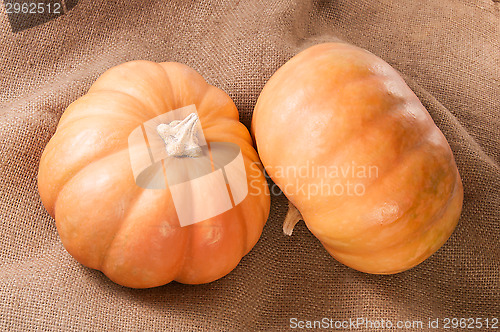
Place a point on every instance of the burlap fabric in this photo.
(447, 51)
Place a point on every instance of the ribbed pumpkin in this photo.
(357, 154)
(132, 234)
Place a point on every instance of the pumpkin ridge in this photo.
(172, 86)
(107, 82)
(96, 159)
(399, 162)
(69, 125)
(444, 208)
(62, 120)
(105, 253)
(110, 116)
(137, 100)
(87, 216)
(167, 78)
(435, 218)
(372, 123)
(207, 93)
(186, 252)
(244, 228)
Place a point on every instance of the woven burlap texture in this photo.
(447, 51)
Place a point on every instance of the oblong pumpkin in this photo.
(357, 154)
(132, 234)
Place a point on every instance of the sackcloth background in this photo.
(448, 52)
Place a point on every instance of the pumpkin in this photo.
(131, 231)
(358, 157)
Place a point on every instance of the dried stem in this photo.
(181, 137)
(293, 216)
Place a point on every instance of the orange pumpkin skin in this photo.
(132, 234)
(333, 106)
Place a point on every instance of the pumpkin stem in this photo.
(293, 216)
(181, 136)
